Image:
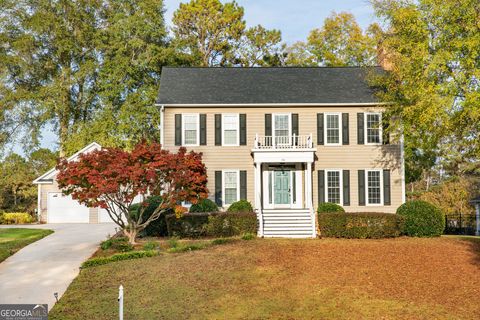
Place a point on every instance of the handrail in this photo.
(283, 142)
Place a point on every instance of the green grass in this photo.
(14, 239)
(402, 278)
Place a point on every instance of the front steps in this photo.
(288, 223)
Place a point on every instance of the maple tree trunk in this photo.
(131, 232)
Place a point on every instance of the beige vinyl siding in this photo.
(351, 157)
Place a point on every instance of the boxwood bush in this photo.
(329, 207)
(228, 224)
(240, 206)
(156, 228)
(188, 225)
(360, 225)
(204, 205)
(422, 219)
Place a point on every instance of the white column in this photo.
(309, 197)
(258, 197)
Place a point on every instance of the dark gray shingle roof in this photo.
(264, 85)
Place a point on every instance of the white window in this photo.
(332, 129)
(281, 128)
(191, 129)
(230, 129)
(374, 188)
(333, 190)
(373, 128)
(231, 186)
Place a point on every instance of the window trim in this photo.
(325, 128)
(380, 129)
(367, 200)
(237, 171)
(237, 115)
(289, 114)
(197, 115)
(340, 174)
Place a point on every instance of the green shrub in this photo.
(225, 224)
(240, 206)
(16, 218)
(360, 225)
(117, 243)
(150, 245)
(329, 207)
(187, 247)
(173, 242)
(188, 225)
(118, 257)
(156, 228)
(204, 205)
(422, 219)
(248, 236)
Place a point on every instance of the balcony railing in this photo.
(283, 142)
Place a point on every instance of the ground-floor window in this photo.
(231, 186)
(334, 186)
(374, 186)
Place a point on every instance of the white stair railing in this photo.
(283, 142)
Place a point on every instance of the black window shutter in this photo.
(361, 187)
(243, 129)
(321, 186)
(243, 184)
(387, 199)
(178, 129)
(320, 128)
(345, 131)
(218, 129)
(218, 188)
(385, 131)
(360, 128)
(346, 187)
(203, 129)
(268, 124)
(295, 124)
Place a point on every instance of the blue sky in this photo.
(294, 18)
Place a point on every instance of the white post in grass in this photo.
(120, 302)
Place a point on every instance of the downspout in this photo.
(162, 117)
(402, 155)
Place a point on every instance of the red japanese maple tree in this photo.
(112, 179)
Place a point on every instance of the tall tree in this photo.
(432, 47)
(208, 29)
(16, 178)
(341, 42)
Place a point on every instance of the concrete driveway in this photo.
(36, 272)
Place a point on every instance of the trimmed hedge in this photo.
(156, 228)
(118, 257)
(329, 207)
(225, 224)
(422, 219)
(204, 205)
(216, 224)
(360, 225)
(241, 206)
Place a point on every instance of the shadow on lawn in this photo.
(474, 243)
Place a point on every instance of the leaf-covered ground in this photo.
(404, 278)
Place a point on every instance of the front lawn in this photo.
(403, 278)
(14, 239)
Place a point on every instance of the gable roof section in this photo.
(47, 177)
(288, 85)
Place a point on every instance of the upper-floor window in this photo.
(191, 129)
(281, 128)
(333, 132)
(374, 187)
(333, 186)
(231, 128)
(231, 186)
(373, 126)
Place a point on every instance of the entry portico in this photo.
(283, 185)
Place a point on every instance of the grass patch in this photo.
(118, 257)
(14, 239)
(401, 278)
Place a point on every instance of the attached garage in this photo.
(54, 207)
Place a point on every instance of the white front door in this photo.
(63, 209)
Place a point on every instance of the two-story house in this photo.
(286, 139)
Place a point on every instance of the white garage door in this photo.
(63, 209)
